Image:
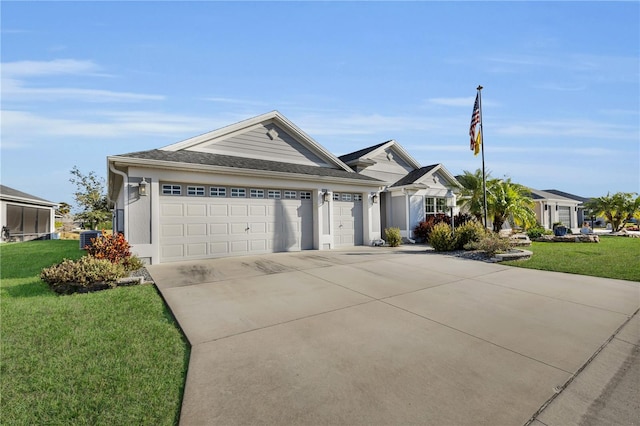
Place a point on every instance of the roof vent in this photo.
(272, 133)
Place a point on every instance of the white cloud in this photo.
(21, 128)
(15, 87)
(57, 66)
(571, 128)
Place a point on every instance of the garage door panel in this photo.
(172, 230)
(175, 251)
(198, 210)
(219, 248)
(171, 210)
(196, 229)
(238, 228)
(199, 249)
(218, 229)
(258, 228)
(239, 246)
(258, 210)
(219, 210)
(258, 245)
(238, 210)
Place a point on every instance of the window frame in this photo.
(220, 191)
(238, 192)
(172, 188)
(195, 191)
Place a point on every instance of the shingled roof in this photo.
(7, 192)
(567, 195)
(210, 159)
(414, 175)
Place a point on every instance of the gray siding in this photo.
(139, 215)
(398, 217)
(257, 143)
(389, 171)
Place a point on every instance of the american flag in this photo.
(475, 119)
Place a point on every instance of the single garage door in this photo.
(564, 216)
(347, 219)
(198, 228)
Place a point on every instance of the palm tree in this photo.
(471, 195)
(508, 201)
(618, 208)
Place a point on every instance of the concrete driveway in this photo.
(397, 336)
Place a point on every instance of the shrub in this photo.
(82, 275)
(422, 231)
(441, 238)
(392, 236)
(537, 232)
(491, 244)
(115, 249)
(471, 231)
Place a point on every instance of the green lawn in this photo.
(111, 357)
(613, 257)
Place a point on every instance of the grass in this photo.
(613, 257)
(111, 357)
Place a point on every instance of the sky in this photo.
(561, 101)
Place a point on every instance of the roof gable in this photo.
(433, 174)
(269, 137)
(373, 151)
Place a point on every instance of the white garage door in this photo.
(347, 219)
(564, 215)
(198, 228)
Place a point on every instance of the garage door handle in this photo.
(247, 228)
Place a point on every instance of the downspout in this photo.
(125, 185)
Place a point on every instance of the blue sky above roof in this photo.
(561, 104)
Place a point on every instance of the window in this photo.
(430, 206)
(346, 197)
(274, 193)
(238, 192)
(216, 191)
(256, 193)
(357, 197)
(289, 195)
(435, 205)
(336, 196)
(171, 190)
(305, 195)
(195, 191)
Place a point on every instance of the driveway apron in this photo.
(393, 336)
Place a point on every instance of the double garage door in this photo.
(197, 228)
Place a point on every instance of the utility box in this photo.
(86, 236)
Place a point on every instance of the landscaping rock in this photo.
(520, 240)
(569, 238)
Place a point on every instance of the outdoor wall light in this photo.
(326, 196)
(556, 207)
(546, 207)
(142, 188)
(374, 198)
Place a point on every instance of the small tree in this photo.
(618, 209)
(90, 197)
(63, 209)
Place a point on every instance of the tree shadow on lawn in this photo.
(31, 288)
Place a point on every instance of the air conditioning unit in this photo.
(86, 236)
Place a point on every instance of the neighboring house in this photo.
(263, 185)
(551, 208)
(581, 207)
(25, 217)
(411, 192)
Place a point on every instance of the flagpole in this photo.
(484, 175)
